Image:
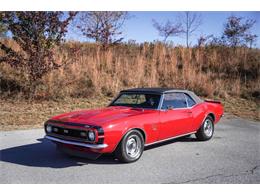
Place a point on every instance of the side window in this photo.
(190, 101)
(174, 100)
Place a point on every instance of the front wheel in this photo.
(131, 147)
(206, 130)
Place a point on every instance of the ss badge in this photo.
(66, 131)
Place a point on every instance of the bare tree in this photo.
(203, 40)
(191, 22)
(237, 32)
(250, 39)
(104, 27)
(3, 28)
(168, 29)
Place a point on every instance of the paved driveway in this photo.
(232, 156)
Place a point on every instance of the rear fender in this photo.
(214, 108)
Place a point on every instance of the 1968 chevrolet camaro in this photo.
(134, 119)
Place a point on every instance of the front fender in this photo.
(115, 133)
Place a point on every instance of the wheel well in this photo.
(141, 131)
(212, 116)
(138, 129)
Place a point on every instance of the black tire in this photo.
(205, 133)
(126, 146)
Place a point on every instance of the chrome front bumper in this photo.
(93, 146)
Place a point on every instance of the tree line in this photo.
(39, 33)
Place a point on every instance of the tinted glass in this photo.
(190, 101)
(137, 100)
(174, 100)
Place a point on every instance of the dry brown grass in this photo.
(243, 108)
(229, 74)
(23, 114)
(210, 71)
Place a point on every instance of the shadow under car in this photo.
(45, 154)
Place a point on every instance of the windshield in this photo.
(137, 100)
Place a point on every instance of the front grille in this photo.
(71, 134)
(74, 134)
(68, 132)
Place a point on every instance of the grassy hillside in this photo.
(229, 74)
(209, 71)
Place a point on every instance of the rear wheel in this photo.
(131, 147)
(206, 130)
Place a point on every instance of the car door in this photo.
(175, 116)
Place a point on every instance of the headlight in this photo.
(91, 135)
(49, 128)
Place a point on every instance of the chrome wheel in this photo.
(133, 146)
(208, 128)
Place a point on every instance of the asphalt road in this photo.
(232, 156)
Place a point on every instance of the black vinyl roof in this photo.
(163, 91)
(152, 90)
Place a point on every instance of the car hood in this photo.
(101, 116)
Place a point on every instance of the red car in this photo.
(134, 119)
